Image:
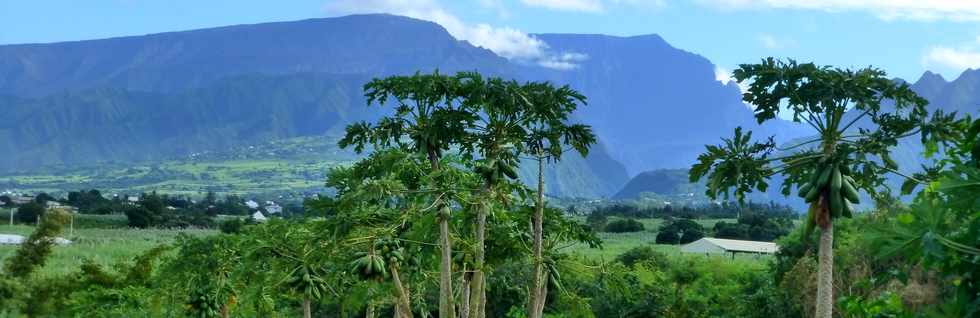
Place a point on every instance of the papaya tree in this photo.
(428, 120)
(381, 216)
(501, 111)
(939, 229)
(856, 116)
(294, 252)
(548, 133)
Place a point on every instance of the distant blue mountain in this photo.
(133, 98)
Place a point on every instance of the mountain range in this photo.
(139, 98)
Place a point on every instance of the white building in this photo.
(258, 217)
(710, 245)
(252, 204)
(273, 208)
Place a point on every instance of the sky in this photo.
(903, 37)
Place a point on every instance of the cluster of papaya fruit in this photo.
(831, 180)
(498, 170)
(372, 264)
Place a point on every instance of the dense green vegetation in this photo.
(434, 221)
(843, 160)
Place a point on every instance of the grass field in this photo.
(614, 244)
(285, 167)
(104, 246)
(110, 245)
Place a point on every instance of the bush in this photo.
(668, 237)
(29, 212)
(597, 221)
(232, 226)
(691, 236)
(100, 221)
(642, 254)
(140, 217)
(680, 231)
(624, 226)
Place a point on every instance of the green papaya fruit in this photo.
(850, 193)
(804, 189)
(836, 204)
(848, 210)
(836, 180)
(824, 176)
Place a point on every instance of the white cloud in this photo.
(920, 10)
(564, 61)
(723, 75)
(507, 42)
(593, 6)
(954, 59)
(567, 5)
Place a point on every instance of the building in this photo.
(252, 204)
(710, 245)
(258, 217)
(273, 208)
(21, 199)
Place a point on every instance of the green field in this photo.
(104, 246)
(614, 244)
(110, 245)
(288, 167)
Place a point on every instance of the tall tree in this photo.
(428, 119)
(293, 250)
(380, 210)
(549, 132)
(501, 111)
(846, 157)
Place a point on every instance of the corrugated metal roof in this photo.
(743, 246)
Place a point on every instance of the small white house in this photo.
(252, 204)
(258, 217)
(273, 209)
(710, 245)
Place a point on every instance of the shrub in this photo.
(232, 226)
(624, 226)
(140, 217)
(34, 251)
(668, 237)
(680, 231)
(29, 212)
(691, 236)
(642, 254)
(597, 221)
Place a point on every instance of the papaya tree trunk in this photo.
(476, 291)
(403, 307)
(544, 295)
(538, 286)
(466, 287)
(307, 313)
(447, 307)
(369, 312)
(825, 273)
(825, 259)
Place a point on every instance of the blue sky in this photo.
(904, 37)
